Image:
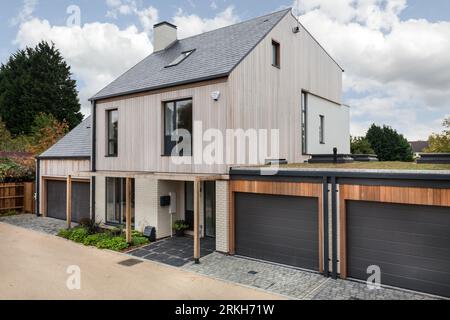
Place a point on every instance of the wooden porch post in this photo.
(69, 202)
(128, 210)
(197, 220)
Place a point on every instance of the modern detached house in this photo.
(266, 73)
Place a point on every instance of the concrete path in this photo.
(34, 265)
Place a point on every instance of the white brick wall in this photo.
(146, 203)
(100, 198)
(222, 216)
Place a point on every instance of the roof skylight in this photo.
(183, 56)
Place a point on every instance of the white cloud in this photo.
(97, 52)
(400, 70)
(26, 11)
(147, 16)
(189, 25)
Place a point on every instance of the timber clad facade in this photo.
(266, 73)
(254, 77)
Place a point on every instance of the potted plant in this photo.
(180, 226)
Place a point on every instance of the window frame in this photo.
(174, 123)
(276, 54)
(322, 129)
(122, 201)
(109, 140)
(186, 54)
(304, 121)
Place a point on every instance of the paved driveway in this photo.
(41, 224)
(292, 282)
(34, 265)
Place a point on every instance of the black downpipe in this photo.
(93, 158)
(326, 243)
(334, 226)
(38, 187)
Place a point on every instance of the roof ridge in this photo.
(238, 23)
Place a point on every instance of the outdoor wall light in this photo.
(215, 95)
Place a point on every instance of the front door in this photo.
(210, 208)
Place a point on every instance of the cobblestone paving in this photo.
(40, 224)
(291, 282)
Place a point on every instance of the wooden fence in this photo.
(17, 197)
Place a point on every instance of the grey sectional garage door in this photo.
(279, 229)
(411, 244)
(56, 200)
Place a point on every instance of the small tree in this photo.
(440, 143)
(46, 131)
(360, 145)
(388, 144)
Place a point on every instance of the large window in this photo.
(322, 129)
(112, 132)
(304, 104)
(116, 201)
(178, 128)
(276, 54)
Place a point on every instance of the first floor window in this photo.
(112, 132)
(303, 124)
(177, 123)
(116, 201)
(322, 129)
(276, 54)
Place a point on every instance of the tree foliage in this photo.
(388, 144)
(37, 80)
(440, 142)
(45, 132)
(360, 145)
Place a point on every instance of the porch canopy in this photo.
(194, 177)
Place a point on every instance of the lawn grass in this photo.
(376, 165)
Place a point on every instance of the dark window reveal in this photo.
(276, 59)
(113, 132)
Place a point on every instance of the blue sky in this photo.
(407, 41)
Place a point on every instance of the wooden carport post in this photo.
(69, 202)
(197, 220)
(128, 210)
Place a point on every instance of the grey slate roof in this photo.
(216, 54)
(76, 144)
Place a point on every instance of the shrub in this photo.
(64, 233)
(180, 225)
(360, 145)
(90, 225)
(116, 244)
(78, 234)
(139, 241)
(94, 239)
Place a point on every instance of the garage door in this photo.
(411, 245)
(279, 229)
(56, 200)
